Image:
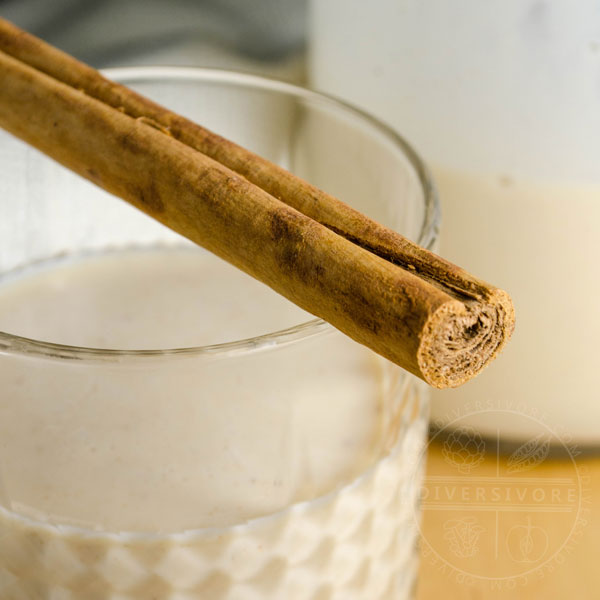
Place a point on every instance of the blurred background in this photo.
(260, 36)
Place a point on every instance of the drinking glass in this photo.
(271, 457)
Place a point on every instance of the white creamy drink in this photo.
(540, 241)
(284, 472)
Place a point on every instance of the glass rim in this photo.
(15, 344)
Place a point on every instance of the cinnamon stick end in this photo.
(460, 339)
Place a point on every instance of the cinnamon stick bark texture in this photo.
(413, 307)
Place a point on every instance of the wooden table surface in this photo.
(519, 525)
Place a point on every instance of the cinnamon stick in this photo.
(413, 307)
